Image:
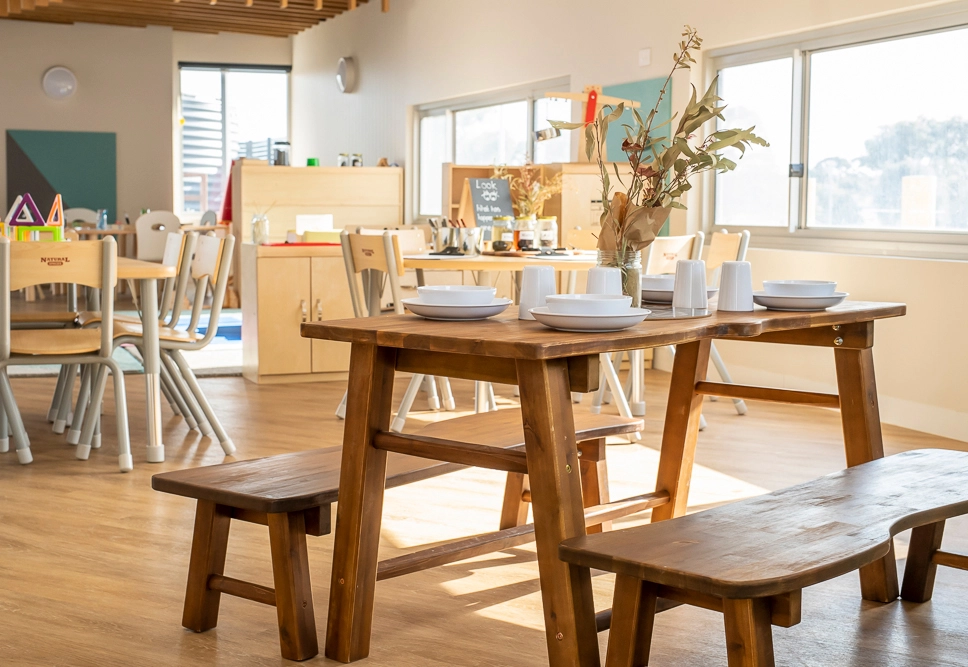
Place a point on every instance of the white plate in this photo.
(798, 303)
(456, 313)
(589, 323)
(665, 296)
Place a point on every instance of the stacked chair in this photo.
(378, 257)
(89, 263)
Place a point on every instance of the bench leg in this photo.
(294, 594)
(749, 637)
(633, 617)
(920, 569)
(594, 478)
(208, 557)
(514, 511)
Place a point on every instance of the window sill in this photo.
(882, 244)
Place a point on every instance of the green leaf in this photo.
(589, 142)
(562, 125)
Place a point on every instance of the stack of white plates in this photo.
(799, 295)
(456, 303)
(589, 312)
(659, 288)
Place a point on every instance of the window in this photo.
(486, 130)
(866, 136)
(227, 113)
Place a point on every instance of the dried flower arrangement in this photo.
(529, 191)
(661, 167)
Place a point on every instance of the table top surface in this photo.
(137, 268)
(508, 337)
(497, 263)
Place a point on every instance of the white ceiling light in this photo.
(59, 83)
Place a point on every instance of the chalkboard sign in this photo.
(491, 198)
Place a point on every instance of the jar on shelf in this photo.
(524, 233)
(547, 232)
(260, 229)
(502, 233)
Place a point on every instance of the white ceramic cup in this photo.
(537, 282)
(690, 287)
(736, 287)
(604, 280)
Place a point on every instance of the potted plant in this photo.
(661, 167)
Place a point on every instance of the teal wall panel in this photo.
(81, 166)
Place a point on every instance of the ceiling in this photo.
(278, 18)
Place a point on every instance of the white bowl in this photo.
(588, 304)
(659, 283)
(799, 287)
(456, 295)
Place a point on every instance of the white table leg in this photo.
(637, 371)
(152, 363)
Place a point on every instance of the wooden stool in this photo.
(750, 560)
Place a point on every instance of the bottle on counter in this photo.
(502, 233)
(547, 233)
(524, 233)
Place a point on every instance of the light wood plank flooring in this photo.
(94, 562)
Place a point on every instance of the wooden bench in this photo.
(292, 495)
(750, 560)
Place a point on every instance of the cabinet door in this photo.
(331, 301)
(284, 297)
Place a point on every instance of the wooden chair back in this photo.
(725, 247)
(666, 251)
(381, 257)
(152, 231)
(93, 264)
(211, 265)
(80, 215)
(179, 251)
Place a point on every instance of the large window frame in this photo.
(223, 69)
(448, 108)
(797, 235)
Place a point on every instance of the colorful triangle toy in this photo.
(26, 213)
(56, 216)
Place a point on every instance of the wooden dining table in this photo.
(548, 365)
(149, 273)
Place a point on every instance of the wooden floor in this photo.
(93, 562)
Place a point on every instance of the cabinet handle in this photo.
(305, 312)
(319, 310)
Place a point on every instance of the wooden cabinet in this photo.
(284, 287)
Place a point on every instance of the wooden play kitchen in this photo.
(547, 366)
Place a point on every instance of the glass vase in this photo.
(630, 262)
(260, 229)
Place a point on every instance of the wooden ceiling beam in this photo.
(265, 17)
(167, 8)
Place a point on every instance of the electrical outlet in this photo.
(645, 57)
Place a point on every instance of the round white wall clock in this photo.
(59, 83)
(346, 75)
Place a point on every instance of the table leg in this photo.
(421, 281)
(360, 508)
(681, 430)
(72, 297)
(556, 501)
(152, 364)
(637, 372)
(862, 441)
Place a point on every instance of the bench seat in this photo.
(292, 494)
(748, 557)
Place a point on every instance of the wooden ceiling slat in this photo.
(265, 17)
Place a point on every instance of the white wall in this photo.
(123, 76)
(428, 50)
(127, 84)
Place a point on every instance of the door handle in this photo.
(305, 312)
(319, 310)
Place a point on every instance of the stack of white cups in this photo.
(604, 280)
(690, 287)
(537, 283)
(736, 287)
